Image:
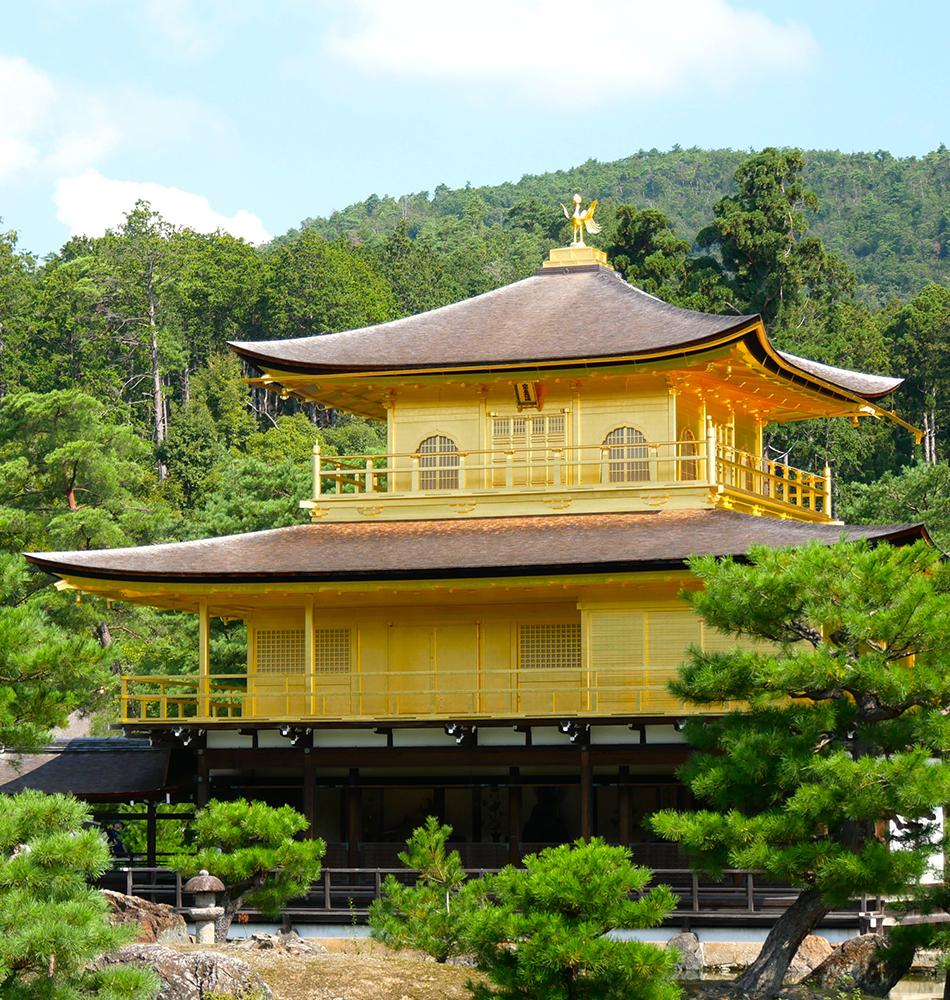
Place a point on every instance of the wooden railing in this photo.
(341, 894)
(443, 694)
(640, 466)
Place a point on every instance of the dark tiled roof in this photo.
(88, 767)
(458, 548)
(569, 314)
(584, 312)
(861, 384)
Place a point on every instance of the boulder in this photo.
(192, 975)
(158, 922)
(857, 965)
(811, 953)
(690, 965)
(287, 941)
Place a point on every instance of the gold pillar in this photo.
(204, 659)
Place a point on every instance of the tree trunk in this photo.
(157, 397)
(764, 976)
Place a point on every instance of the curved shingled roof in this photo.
(577, 313)
(471, 547)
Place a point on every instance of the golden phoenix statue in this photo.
(580, 220)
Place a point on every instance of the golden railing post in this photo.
(369, 486)
(557, 467)
(711, 454)
(339, 476)
(317, 462)
(204, 659)
(414, 485)
(827, 498)
(509, 469)
(605, 465)
(463, 471)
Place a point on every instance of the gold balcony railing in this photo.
(644, 466)
(553, 693)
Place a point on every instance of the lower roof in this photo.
(92, 768)
(461, 547)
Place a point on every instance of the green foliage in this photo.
(833, 718)
(542, 931)
(250, 846)
(52, 922)
(45, 671)
(760, 234)
(315, 287)
(433, 915)
(919, 493)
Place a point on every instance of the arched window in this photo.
(627, 456)
(438, 463)
(689, 469)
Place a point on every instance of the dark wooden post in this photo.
(476, 814)
(623, 790)
(587, 796)
(150, 835)
(309, 782)
(203, 787)
(355, 819)
(438, 804)
(514, 816)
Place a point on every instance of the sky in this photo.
(251, 116)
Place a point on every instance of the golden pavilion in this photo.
(480, 623)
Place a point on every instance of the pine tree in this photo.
(542, 931)
(250, 846)
(431, 916)
(834, 723)
(52, 922)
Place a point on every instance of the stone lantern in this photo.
(204, 912)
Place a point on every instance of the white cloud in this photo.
(90, 204)
(51, 128)
(27, 97)
(543, 48)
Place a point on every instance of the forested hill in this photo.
(888, 218)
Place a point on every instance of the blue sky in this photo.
(253, 116)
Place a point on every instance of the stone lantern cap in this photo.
(203, 882)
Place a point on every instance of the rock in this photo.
(856, 965)
(690, 965)
(811, 953)
(192, 975)
(730, 956)
(288, 941)
(158, 923)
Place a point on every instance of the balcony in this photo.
(580, 478)
(384, 696)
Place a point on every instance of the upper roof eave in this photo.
(579, 316)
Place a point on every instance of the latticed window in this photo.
(280, 651)
(549, 646)
(627, 454)
(331, 650)
(438, 463)
(689, 468)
